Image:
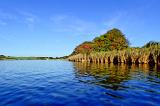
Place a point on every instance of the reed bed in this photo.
(149, 55)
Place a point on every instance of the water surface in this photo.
(48, 83)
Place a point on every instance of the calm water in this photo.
(49, 83)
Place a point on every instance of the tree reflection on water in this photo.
(112, 76)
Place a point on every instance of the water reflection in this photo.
(113, 76)
(52, 83)
(158, 67)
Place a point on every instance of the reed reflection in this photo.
(112, 76)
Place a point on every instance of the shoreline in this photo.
(149, 56)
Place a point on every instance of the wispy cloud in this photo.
(3, 37)
(115, 19)
(80, 26)
(5, 17)
(3, 23)
(29, 19)
(20, 17)
(66, 23)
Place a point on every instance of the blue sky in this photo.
(55, 27)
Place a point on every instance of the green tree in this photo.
(101, 43)
(151, 43)
(2, 57)
(113, 39)
(117, 39)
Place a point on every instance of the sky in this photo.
(56, 27)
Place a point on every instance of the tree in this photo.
(101, 44)
(2, 56)
(151, 43)
(117, 39)
(84, 48)
(113, 39)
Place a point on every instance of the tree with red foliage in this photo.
(84, 48)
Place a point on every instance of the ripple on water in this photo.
(40, 83)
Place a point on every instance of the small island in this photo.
(113, 47)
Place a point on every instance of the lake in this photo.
(60, 82)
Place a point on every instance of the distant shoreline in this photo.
(3, 57)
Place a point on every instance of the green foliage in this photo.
(151, 43)
(101, 43)
(112, 40)
(2, 57)
(117, 39)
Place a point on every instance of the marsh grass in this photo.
(128, 56)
